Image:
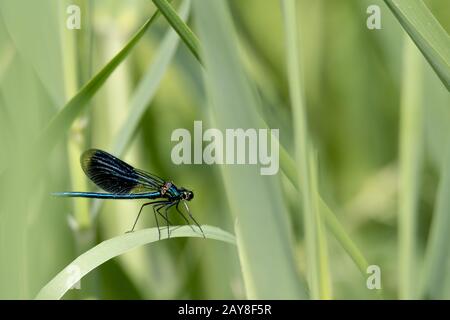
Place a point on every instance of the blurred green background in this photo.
(353, 88)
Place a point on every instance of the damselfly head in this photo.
(187, 195)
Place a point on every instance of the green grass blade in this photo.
(411, 129)
(427, 34)
(64, 118)
(324, 276)
(88, 261)
(438, 247)
(288, 166)
(343, 238)
(302, 145)
(264, 246)
(179, 26)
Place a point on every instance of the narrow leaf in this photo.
(179, 26)
(302, 146)
(114, 247)
(411, 133)
(427, 34)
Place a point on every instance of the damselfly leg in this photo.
(156, 209)
(191, 216)
(166, 208)
(139, 214)
(184, 217)
(164, 205)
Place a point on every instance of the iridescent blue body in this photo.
(100, 195)
(122, 181)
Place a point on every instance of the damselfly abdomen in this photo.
(122, 181)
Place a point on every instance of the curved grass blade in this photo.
(189, 38)
(426, 32)
(88, 261)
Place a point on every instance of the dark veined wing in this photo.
(115, 176)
